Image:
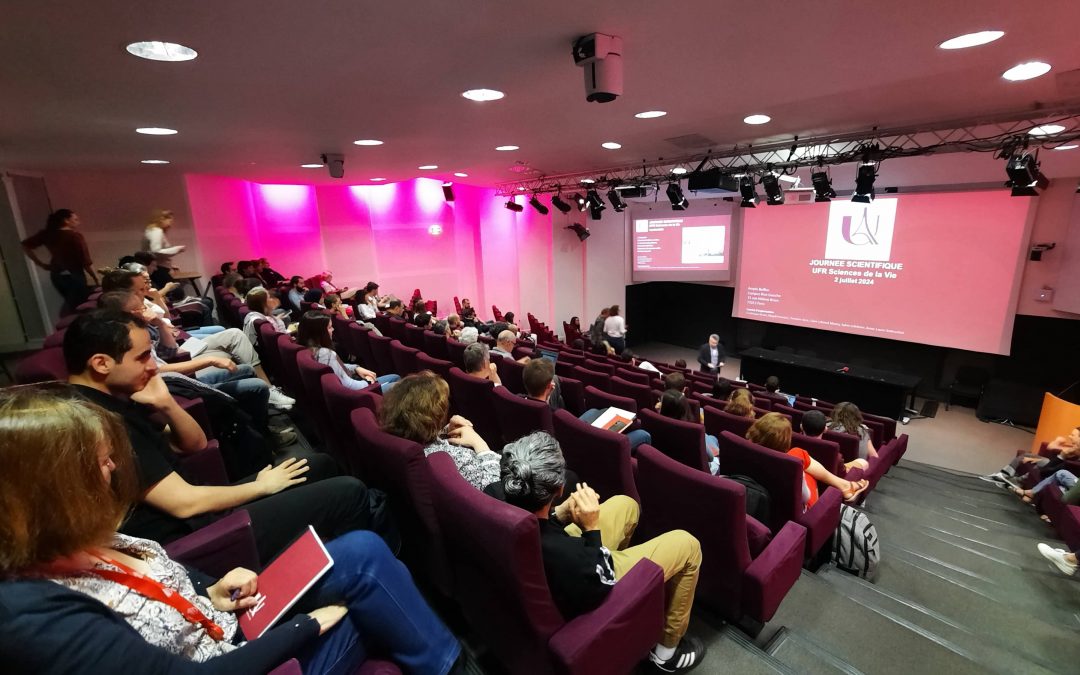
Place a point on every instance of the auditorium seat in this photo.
(510, 373)
(643, 395)
(600, 458)
(736, 580)
(435, 345)
(470, 397)
(456, 352)
(595, 398)
(794, 414)
(414, 337)
(494, 550)
(599, 366)
(518, 416)
(564, 368)
(635, 375)
(826, 452)
(42, 366)
(403, 357)
(340, 402)
(592, 378)
(395, 329)
(382, 322)
(343, 337)
(287, 351)
(311, 372)
(439, 366)
(573, 395)
(848, 443)
(682, 441)
(266, 344)
(718, 421)
(380, 352)
(218, 548)
(782, 477)
(362, 344)
(55, 339)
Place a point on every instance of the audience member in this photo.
(468, 318)
(773, 431)
(454, 326)
(314, 298)
(1066, 447)
(226, 268)
(1064, 560)
(586, 546)
(316, 333)
(69, 259)
(814, 424)
(711, 355)
(76, 592)
(469, 335)
(271, 277)
(440, 327)
(1061, 479)
(326, 283)
(740, 403)
(631, 358)
(229, 282)
(721, 389)
(673, 404)
(615, 330)
(261, 305)
(248, 269)
(418, 409)
(296, 293)
(674, 380)
(772, 390)
(422, 320)
(396, 309)
(510, 323)
(477, 361)
(680, 364)
(367, 302)
(847, 418)
(335, 305)
(109, 359)
(596, 333)
(504, 346)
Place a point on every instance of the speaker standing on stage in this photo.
(711, 355)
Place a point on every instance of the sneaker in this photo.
(688, 655)
(1057, 556)
(285, 438)
(996, 478)
(280, 400)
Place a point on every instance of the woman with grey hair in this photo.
(584, 545)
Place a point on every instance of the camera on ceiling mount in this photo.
(600, 56)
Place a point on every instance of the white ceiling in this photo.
(278, 81)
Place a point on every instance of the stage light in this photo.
(774, 194)
(1025, 178)
(616, 200)
(592, 198)
(557, 202)
(580, 230)
(448, 191)
(514, 206)
(675, 195)
(582, 204)
(823, 189)
(538, 205)
(748, 192)
(864, 183)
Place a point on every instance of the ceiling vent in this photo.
(691, 142)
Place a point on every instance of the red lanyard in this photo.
(149, 588)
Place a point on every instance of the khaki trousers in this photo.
(677, 552)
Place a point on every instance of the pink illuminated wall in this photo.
(403, 235)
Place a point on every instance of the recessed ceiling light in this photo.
(1026, 71)
(165, 161)
(972, 39)
(367, 141)
(428, 167)
(678, 170)
(461, 174)
(1067, 147)
(155, 131)
(521, 188)
(376, 180)
(587, 181)
(507, 148)
(1046, 130)
(757, 119)
(611, 145)
(311, 166)
(161, 51)
(649, 114)
(483, 94)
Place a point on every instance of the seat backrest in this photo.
(471, 398)
(600, 366)
(717, 421)
(635, 375)
(763, 402)
(595, 398)
(718, 520)
(888, 426)
(266, 344)
(42, 366)
(643, 395)
(494, 549)
(591, 378)
(380, 353)
(794, 414)
(518, 416)
(55, 339)
(779, 473)
(340, 402)
(457, 305)
(395, 329)
(440, 366)
(435, 345)
(342, 335)
(455, 351)
(573, 395)
(848, 444)
(600, 458)
(382, 322)
(414, 337)
(754, 388)
(362, 345)
(682, 441)
(287, 350)
(311, 372)
(826, 452)
(496, 313)
(510, 373)
(404, 358)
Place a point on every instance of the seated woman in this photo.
(316, 333)
(1066, 447)
(326, 283)
(773, 431)
(673, 404)
(847, 418)
(1062, 479)
(80, 598)
(418, 408)
(261, 305)
(740, 403)
(367, 302)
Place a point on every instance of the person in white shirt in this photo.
(615, 328)
(261, 305)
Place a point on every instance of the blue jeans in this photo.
(203, 331)
(386, 613)
(387, 382)
(251, 393)
(712, 445)
(1065, 480)
(636, 437)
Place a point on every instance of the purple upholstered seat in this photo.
(1064, 517)
(494, 549)
(510, 373)
(848, 443)
(287, 350)
(518, 416)
(888, 425)
(573, 395)
(782, 477)
(599, 366)
(380, 353)
(266, 344)
(642, 394)
(794, 414)
(340, 401)
(219, 547)
(734, 580)
(395, 329)
(826, 452)
(717, 421)
(471, 398)
(362, 345)
(440, 366)
(311, 372)
(343, 337)
(597, 398)
(55, 339)
(455, 350)
(601, 458)
(592, 378)
(435, 345)
(414, 337)
(42, 366)
(635, 375)
(404, 358)
(682, 441)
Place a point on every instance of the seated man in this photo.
(584, 544)
(269, 275)
(814, 424)
(453, 326)
(396, 309)
(109, 359)
(541, 385)
(478, 363)
(504, 346)
(469, 335)
(772, 390)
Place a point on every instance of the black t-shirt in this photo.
(579, 570)
(154, 460)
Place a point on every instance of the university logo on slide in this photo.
(860, 231)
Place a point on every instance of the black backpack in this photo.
(757, 498)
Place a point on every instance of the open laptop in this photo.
(550, 355)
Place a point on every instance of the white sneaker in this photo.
(280, 400)
(1057, 556)
(996, 478)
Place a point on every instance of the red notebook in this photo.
(284, 581)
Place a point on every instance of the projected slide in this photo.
(940, 269)
(691, 248)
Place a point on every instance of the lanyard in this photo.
(153, 590)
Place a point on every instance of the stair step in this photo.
(729, 650)
(805, 656)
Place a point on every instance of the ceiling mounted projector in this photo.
(600, 56)
(335, 163)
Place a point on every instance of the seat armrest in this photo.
(772, 574)
(219, 547)
(204, 467)
(617, 635)
(757, 536)
(821, 519)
